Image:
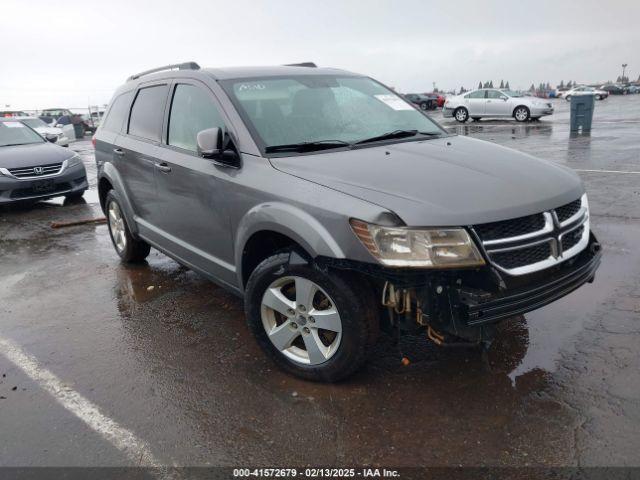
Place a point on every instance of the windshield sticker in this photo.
(13, 124)
(394, 102)
(243, 87)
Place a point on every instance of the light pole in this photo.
(624, 67)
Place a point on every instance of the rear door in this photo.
(475, 102)
(191, 209)
(137, 152)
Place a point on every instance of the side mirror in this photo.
(209, 142)
(51, 138)
(219, 147)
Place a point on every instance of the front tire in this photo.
(461, 114)
(424, 106)
(314, 324)
(521, 114)
(129, 249)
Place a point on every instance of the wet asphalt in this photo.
(175, 363)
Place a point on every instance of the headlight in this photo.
(406, 247)
(73, 161)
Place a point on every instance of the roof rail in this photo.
(175, 66)
(303, 64)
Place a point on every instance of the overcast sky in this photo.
(68, 53)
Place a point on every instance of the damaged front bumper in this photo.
(466, 302)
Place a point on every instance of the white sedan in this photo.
(489, 102)
(579, 91)
(64, 135)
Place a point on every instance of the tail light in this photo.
(93, 141)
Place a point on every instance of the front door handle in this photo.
(163, 167)
(119, 152)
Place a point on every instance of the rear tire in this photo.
(461, 114)
(129, 249)
(424, 106)
(284, 325)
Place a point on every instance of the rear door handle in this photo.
(119, 152)
(163, 167)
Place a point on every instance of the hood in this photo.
(443, 182)
(34, 154)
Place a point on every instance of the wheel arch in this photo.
(267, 228)
(109, 179)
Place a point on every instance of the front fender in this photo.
(109, 172)
(287, 220)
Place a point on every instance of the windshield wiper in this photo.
(397, 134)
(307, 146)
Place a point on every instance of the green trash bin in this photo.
(582, 112)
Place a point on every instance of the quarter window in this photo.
(117, 113)
(192, 110)
(146, 113)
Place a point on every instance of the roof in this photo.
(273, 71)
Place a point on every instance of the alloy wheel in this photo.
(461, 115)
(521, 114)
(117, 227)
(301, 320)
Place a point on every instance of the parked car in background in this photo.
(633, 88)
(31, 168)
(490, 102)
(425, 102)
(50, 115)
(584, 90)
(63, 136)
(615, 89)
(249, 177)
(12, 113)
(439, 97)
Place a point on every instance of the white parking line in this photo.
(605, 171)
(134, 448)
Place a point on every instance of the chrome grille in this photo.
(37, 171)
(567, 211)
(510, 228)
(535, 242)
(523, 256)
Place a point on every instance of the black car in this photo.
(425, 102)
(615, 89)
(31, 168)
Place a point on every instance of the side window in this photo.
(146, 113)
(495, 94)
(192, 110)
(117, 113)
(477, 94)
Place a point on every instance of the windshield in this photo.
(511, 93)
(322, 108)
(16, 133)
(34, 122)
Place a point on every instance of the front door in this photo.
(497, 104)
(190, 208)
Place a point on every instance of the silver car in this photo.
(489, 102)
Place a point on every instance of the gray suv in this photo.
(336, 209)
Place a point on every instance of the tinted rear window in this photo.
(146, 113)
(117, 113)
